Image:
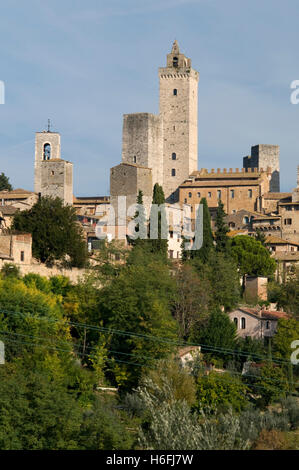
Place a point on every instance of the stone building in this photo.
(256, 322)
(289, 212)
(237, 189)
(264, 156)
(160, 148)
(53, 176)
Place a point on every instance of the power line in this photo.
(226, 351)
(111, 351)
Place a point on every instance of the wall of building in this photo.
(143, 143)
(264, 156)
(179, 111)
(247, 188)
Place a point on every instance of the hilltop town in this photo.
(163, 149)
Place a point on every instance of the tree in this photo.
(4, 183)
(222, 274)
(218, 334)
(252, 257)
(221, 229)
(260, 237)
(56, 234)
(160, 244)
(220, 392)
(268, 383)
(192, 300)
(204, 252)
(287, 332)
(137, 305)
(141, 226)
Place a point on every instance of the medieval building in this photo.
(53, 176)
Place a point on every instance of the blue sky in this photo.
(84, 64)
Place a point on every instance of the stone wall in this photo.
(143, 143)
(126, 180)
(264, 156)
(178, 109)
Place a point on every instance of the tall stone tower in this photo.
(179, 113)
(52, 175)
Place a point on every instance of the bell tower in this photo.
(53, 176)
(179, 113)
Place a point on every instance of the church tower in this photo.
(179, 113)
(52, 175)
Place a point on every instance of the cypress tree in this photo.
(221, 229)
(208, 245)
(159, 245)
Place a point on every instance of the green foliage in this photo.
(192, 300)
(38, 412)
(138, 301)
(204, 252)
(159, 245)
(268, 383)
(141, 226)
(171, 381)
(170, 425)
(221, 272)
(286, 295)
(287, 332)
(56, 234)
(4, 183)
(221, 229)
(219, 332)
(10, 270)
(220, 392)
(252, 257)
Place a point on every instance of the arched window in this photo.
(236, 322)
(47, 152)
(190, 194)
(267, 325)
(175, 61)
(173, 172)
(243, 323)
(173, 156)
(175, 92)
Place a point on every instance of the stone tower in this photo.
(52, 175)
(179, 113)
(264, 156)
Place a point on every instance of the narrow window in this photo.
(171, 234)
(243, 323)
(209, 194)
(175, 61)
(219, 194)
(250, 193)
(190, 194)
(135, 159)
(267, 325)
(198, 194)
(22, 255)
(173, 156)
(236, 322)
(232, 193)
(173, 172)
(47, 152)
(52, 173)
(175, 92)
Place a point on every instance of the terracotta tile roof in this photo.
(264, 314)
(279, 241)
